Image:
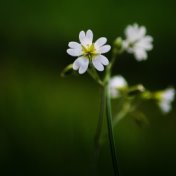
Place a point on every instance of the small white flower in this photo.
(165, 99)
(116, 84)
(87, 52)
(137, 42)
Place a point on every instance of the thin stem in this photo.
(110, 133)
(92, 72)
(100, 123)
(109, 69)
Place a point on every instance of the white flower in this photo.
(165, 99)
(137, 42)
(87, 52)
(116, 84)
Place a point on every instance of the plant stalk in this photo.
(110, 132)
(100, 122)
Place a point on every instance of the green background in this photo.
(47, 123)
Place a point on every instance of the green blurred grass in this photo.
(47, 123)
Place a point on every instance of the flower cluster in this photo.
(90, 57)
(91, 53)
(119, 87)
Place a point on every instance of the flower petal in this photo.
(165, 107)
(134, 32)
(89, 36)
(140, 54)
(142, 31)
(104, 60)
(74, 45)
(83, 69)
(130, 32)
(74, 52)
(82, 36)
(82, 64)
(118, 82)
(86, 39)
(168, 95)
(115, 84)
(100, 42)
(145, 43)
(97, 63)
(104, 49)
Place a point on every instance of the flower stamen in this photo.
(89, 51)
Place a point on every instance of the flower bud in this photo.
(118, 45)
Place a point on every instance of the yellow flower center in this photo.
(89, 50)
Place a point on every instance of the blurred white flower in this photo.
(137, 42)
(116, 84)
(165, 99)
(87, 52)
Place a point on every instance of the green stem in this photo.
(109, 116)
(110, 132)
(109, 69)
(100, 122)
(92, 72)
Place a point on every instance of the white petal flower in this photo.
(87, 51)
(137, 42)
(116, 84)
(165, 99)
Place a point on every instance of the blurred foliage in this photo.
(47, 123)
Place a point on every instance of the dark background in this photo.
(47, 123)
